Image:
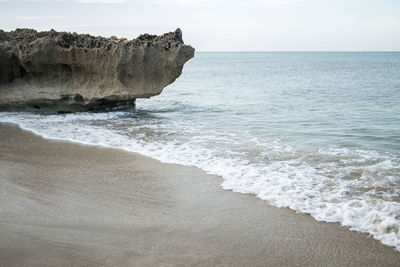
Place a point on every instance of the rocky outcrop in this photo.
(67, 72)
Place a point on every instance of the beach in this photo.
(65, 204)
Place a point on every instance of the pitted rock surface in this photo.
(67, 72)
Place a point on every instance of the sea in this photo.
(315, 132)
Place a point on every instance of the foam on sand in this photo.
(356, 188)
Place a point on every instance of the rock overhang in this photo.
(67, 72)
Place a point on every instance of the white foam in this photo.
(356, 188)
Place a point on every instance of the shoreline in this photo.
(70, 204)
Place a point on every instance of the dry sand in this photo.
(64, 204)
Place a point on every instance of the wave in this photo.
(355, 187)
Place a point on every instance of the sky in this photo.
(222, 25)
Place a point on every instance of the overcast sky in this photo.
(222, 25)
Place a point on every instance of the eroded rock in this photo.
(67, 72)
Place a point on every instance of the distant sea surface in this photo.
(318, 133)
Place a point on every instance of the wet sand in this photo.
(64, 204)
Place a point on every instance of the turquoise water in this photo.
(315, 132)
(316, 100)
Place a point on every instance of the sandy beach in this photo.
(64, 204)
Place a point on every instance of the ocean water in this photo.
(318, 133)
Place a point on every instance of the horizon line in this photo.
(297, 51)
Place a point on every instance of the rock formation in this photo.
(67, 72)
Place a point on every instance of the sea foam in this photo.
(354, 187)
